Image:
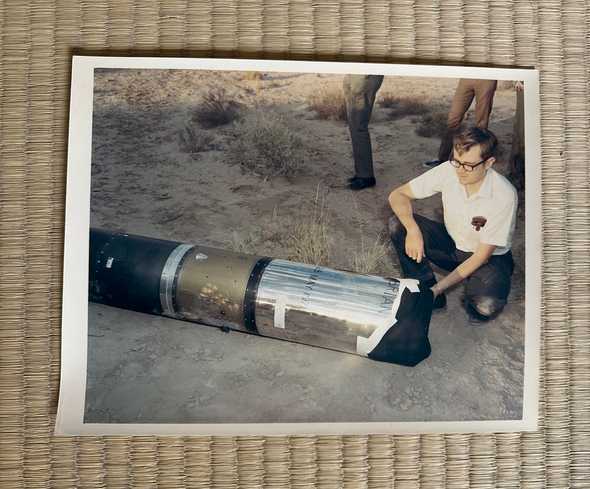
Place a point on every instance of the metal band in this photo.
(168, 277)
(252, 292)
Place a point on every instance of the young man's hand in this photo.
(415, 244)
(481, 255)
(435, 290)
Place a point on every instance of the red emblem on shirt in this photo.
(478, 222)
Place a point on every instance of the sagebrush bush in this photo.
(309, 240)
(328, 103)
(194, 141)
(267, 144)
(403, 106)
(216, 109)
(369, 258)
(433, 125)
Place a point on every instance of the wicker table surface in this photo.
(38, 40)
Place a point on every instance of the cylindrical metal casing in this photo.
(211, 287)
(179, 280)
(382, 318)
(125, 271)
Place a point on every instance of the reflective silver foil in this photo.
(324, 307)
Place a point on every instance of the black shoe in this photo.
(431, 163)
(351, 179)
(361, 183)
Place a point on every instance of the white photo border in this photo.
(74, 342)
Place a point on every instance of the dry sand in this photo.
(143, 182)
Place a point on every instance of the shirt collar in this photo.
(485, 190)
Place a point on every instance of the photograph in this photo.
(273, 247)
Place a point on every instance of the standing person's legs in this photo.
(487, 289)
(517, 151)
(360, 92)
(461, 101)
(484, 98)
(439, 248)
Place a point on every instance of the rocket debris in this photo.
(385, 319)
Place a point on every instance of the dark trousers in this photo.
(359, 95)
(486, 289)
(517, 152)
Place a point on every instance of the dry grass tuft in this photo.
(370, 258)
(328, 103)
(403, 106)
(309, 241)
(433, 125)
(216, 109)
(267, 144)
(193, 141)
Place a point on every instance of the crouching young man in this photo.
(479, 218)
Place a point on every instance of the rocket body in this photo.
(382, 318)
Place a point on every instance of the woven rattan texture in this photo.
(38, 39)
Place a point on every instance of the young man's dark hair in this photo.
(487, 141)
(474, 241)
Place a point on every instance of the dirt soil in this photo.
(147, 180)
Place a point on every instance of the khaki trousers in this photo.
(467, 89)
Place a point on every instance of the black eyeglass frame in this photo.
(467, 168)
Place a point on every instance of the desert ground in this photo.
(258, 164)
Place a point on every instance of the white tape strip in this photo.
(410, 283)
(364, 346)
(279, 316)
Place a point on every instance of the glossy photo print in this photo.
(273, 247)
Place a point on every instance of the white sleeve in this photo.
(499, 227)
(431, 181)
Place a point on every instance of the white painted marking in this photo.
(279, 317)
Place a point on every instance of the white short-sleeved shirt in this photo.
(496, 201)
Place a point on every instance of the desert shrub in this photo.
(432, 125)
(267, 144)
(328, 103)
(216, 109)
(309, 239)
(403, 106)
(370, 257)
(194, 141)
